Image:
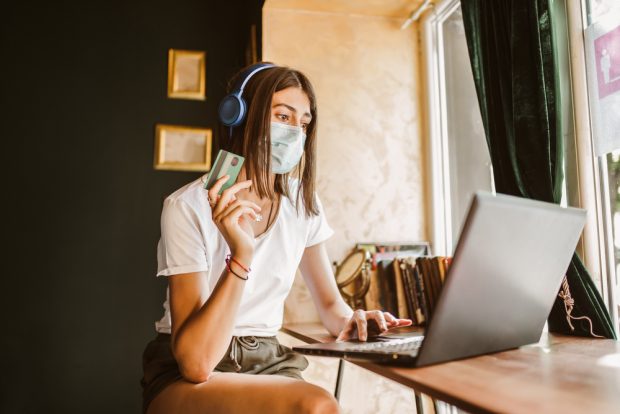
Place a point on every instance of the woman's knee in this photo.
(316, 400)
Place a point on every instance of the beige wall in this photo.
(369, 147)
(370, 153)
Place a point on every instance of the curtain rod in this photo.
(415, 15)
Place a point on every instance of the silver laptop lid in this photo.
(506, 272)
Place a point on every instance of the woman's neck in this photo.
(251, 193)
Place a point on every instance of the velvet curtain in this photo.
(511, 52)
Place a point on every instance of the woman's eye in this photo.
(304, 126)
(283, 117)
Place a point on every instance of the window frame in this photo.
(587, 185)
(438, 177)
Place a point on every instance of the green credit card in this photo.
(226, 163)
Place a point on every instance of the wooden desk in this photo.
(560, 374)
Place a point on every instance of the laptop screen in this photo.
(507, 269)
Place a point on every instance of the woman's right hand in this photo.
(232, 217)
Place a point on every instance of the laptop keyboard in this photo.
(389, 346)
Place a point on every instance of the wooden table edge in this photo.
(387, 372)
(314, 332)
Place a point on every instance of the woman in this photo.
(231, 260)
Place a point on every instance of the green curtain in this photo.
(511, 51)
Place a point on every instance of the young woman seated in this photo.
(231, 258)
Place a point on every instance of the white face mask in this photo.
(287, 147)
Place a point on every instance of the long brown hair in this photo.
(252, 139)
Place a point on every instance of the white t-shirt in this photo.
(190, 242)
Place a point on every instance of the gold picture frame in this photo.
(182, 148)
(251, 51)
(186, 74)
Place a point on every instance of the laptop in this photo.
(507, 269)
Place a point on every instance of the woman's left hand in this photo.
(358, 325)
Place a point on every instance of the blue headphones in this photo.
(233, 108)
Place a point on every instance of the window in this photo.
(459, 156)
(604, 86)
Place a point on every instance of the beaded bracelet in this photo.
(228, 259)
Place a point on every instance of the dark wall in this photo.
(82, 85)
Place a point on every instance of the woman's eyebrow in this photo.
(307, 114)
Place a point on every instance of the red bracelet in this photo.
(228, 258)
(241, 265)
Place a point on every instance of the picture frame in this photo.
(186, 74)
(182, 148)
(251, 50)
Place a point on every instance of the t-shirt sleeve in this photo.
(319, 228)
(181, 247)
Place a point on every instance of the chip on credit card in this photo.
(226, 163)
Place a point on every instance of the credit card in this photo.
(226, 163)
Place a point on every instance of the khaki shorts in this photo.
(245, 354)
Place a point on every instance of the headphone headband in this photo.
(251, 71)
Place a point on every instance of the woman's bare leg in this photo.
(227, 393)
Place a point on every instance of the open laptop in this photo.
(507, 269)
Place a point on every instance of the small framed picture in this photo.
(182, 148)
(186, 74)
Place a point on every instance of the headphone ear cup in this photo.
(232, 110)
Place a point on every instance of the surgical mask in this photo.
(287, 147)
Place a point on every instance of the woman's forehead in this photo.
(292, 97)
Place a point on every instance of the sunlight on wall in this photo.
(370, 151)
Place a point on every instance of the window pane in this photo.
(470, 164)
(613, 174)
(596, 10)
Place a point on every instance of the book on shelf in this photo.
(419, 283)
(445, 264)
(429, 289)
(401, 299)
(407, 287)
(435, 264)
(420, 305)
(386, 286)
(372, 298)
(408, 290)
(411, 291)
(405, 279)
(386, 280)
